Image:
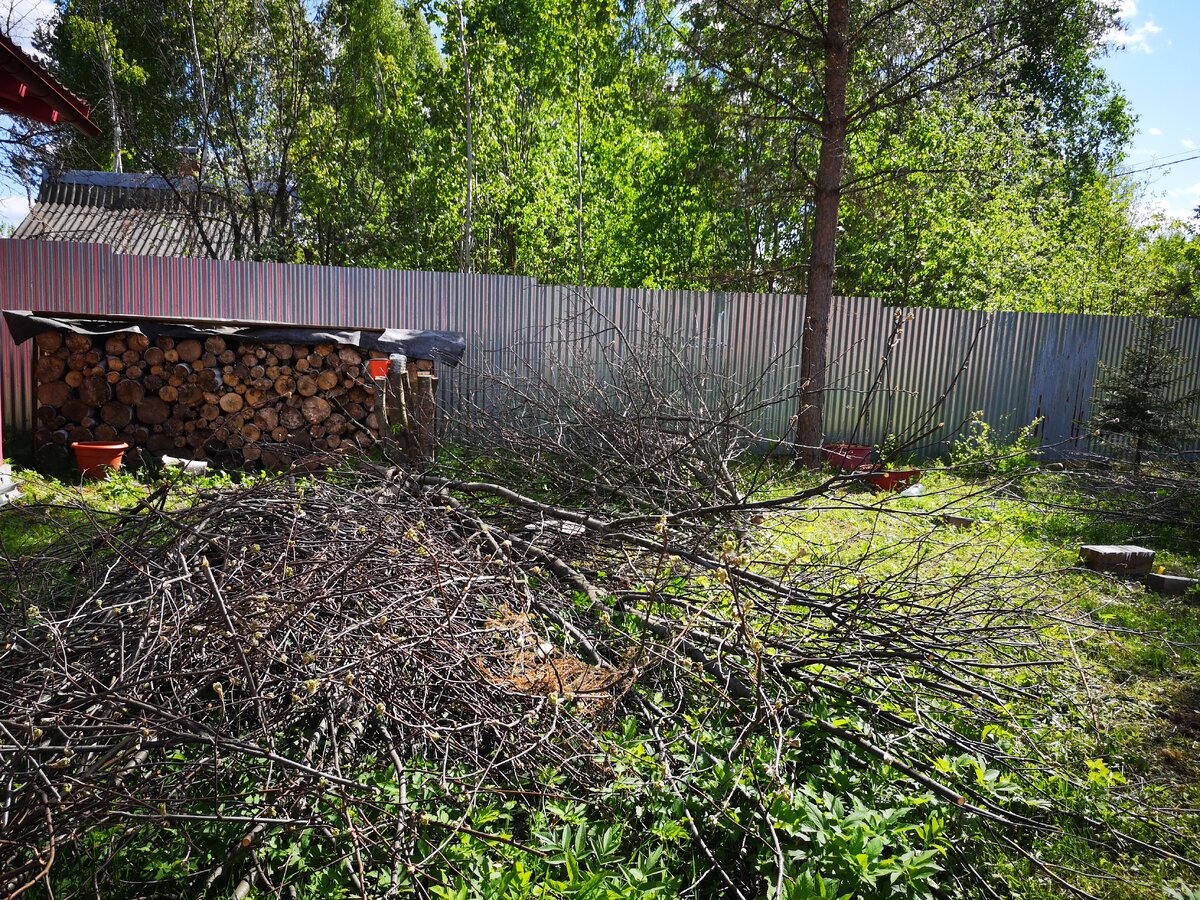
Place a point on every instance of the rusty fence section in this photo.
(891, 371)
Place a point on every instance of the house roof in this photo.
(27, 89)
(139, 214)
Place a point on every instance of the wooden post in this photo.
(421, 382)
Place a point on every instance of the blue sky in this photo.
(1155, 58)
(1156, 61)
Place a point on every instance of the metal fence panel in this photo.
(891, 371)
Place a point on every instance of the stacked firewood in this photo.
(236, 402)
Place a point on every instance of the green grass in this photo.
(1126, 699)
(1132, 673)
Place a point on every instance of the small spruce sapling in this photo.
(1144, 398)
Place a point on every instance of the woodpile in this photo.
(235, 402)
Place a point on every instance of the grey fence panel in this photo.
(890, 371)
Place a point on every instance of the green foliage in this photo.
(609, 142)
(1145, 397)
(787, 809)
(976, 454)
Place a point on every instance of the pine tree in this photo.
(1144, 398)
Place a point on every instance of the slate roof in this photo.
(138, 214)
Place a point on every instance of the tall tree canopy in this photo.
(642, 143)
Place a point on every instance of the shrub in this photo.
(979, 453)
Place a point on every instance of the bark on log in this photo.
(78, 343)
(291, 418)
(267, 418)
(315, 409)
(116, 413)
(130, 392)
(191, 394)
(49, 341)
(75, 410)
(95, 390)
(189, 350)
(152, 411)
(49, 368)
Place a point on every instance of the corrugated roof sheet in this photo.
(37, 94)
(145, 215)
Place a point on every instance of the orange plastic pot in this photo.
(846, 456)
(97, 458)
(378, 367)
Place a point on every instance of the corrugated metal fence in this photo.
(889, 368)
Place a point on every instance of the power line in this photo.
(1168, 157)
(1161, 165)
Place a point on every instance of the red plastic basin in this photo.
(894, 480)
(846, 456)
(97, 458)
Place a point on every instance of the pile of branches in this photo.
(352, 665)
(256, 660)
(236, 658)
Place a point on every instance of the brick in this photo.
(1170, 584)
(1121, 559)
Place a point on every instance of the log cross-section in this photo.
(237, 402)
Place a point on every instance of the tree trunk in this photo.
(465, 252)
(819, 298)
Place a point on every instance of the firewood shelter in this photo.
(239, 393)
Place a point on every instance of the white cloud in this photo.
(13, 209)
(1159, 205)
(1193, 191)
(20, 18)
(1188, 144)
(1154, 132)
(1130, 35)
(1136, 41)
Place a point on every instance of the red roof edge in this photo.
(28, 89)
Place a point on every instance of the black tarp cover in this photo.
(441, 346)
